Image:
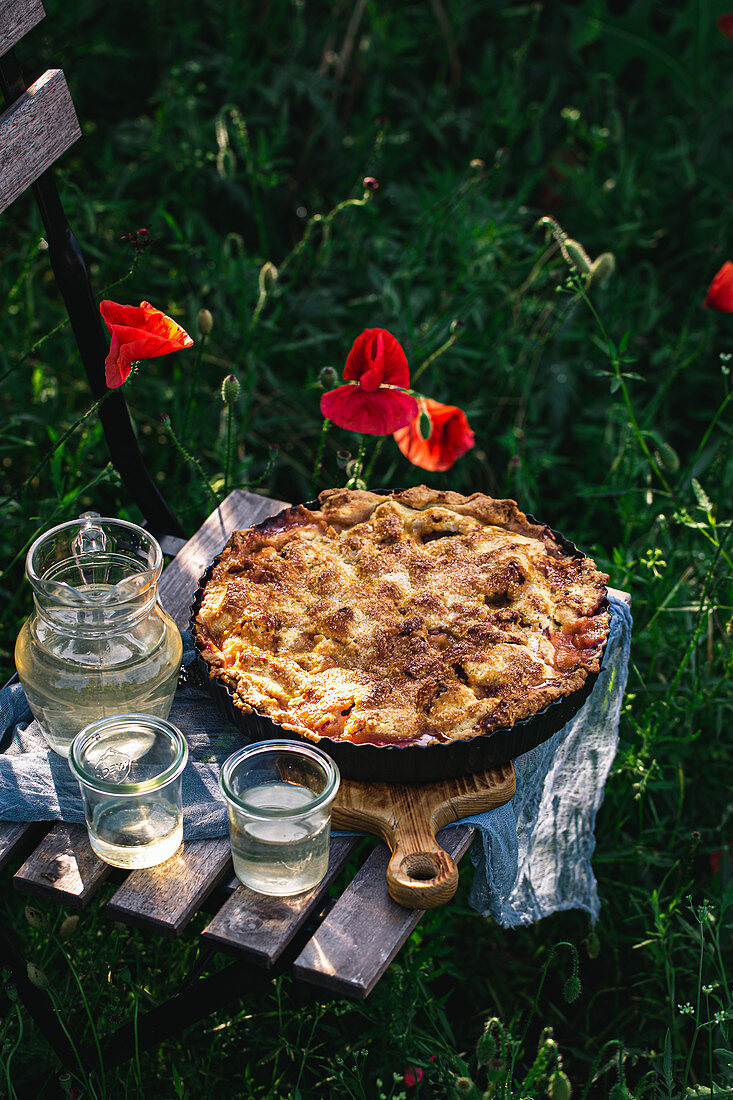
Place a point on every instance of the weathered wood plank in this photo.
(34, 132)
(163, 899)
(17, 17)
(180, 578)
(13, 836)
(63, 867)
(262, 927)
(365, 929)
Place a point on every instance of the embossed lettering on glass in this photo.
(97, 643)
(129, 769)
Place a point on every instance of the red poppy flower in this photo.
(724, 23)
(138, 332)
(720, 291)
(376, 363)
(413, 1076)
(450, 437)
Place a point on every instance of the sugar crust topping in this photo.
(415, 617)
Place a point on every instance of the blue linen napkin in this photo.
(532, 856)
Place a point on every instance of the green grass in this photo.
(240, 136)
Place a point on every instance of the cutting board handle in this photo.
(420, 875)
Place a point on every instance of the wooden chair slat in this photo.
(365, 929)
(164, 898)
(180, 578)
(63, 867)
(17, 17)
(34, 132)
(13, 835)
(262, 926)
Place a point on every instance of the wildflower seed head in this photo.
(65, 1082)
(164, 419)
(204, 322)
(68, 927)
(571, 988)
(267, 277)
(668, 458)
(37, 977)
(686, 1009)
(578, 256)
(559, 1087)
(230, 389)
(328, 377)
(463, 1086)
(342, 459)
(35, 918)
(370, 184)
(601, 269)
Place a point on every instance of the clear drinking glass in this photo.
(129, 770)
(279, 795)
(97, 642)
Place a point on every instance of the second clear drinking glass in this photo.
(129, 770)
(279, 795)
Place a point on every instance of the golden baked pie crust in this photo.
(414, 617)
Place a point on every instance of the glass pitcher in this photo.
(97, 643)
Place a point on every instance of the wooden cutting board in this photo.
(407, 817)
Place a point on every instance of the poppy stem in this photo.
(436, 354)
(319, 457)
(190, 458)
(358, 464)
(230, 448)
(375, 455)
(194, 384)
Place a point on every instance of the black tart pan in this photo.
(404, 763)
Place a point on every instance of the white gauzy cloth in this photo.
(532, 856)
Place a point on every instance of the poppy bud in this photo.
(267, 277)
(35, 918)
(328, 377)
(571, 989)
(370, 184)
(601, 269)
(204, 322)
(230, 388)
(486, 1046)
(68, 927)
(578, 256)
(36, 976)
(456, 324)
(164, 419)
(559, 1087)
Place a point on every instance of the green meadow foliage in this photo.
(553, 200)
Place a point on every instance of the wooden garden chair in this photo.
(38, 125)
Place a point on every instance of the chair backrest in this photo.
(37, 126)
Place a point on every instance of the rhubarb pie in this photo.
(417, 617)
